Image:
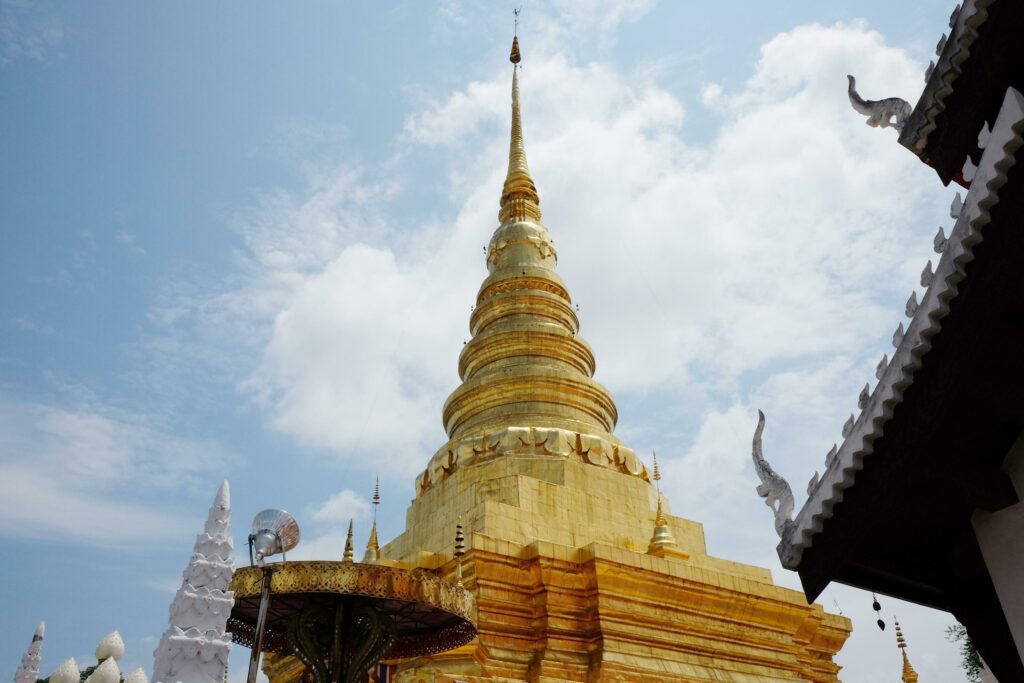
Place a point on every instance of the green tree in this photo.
(969, 658)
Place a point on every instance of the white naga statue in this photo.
(880, 113)
(773, 488)
(195, 647)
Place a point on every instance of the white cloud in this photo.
(343, 505)
(27, 30)
(330, 527)
(694, 265)
(84, 473)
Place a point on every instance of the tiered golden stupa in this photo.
(578, 572)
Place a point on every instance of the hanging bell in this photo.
(881, 624)
(875, 606)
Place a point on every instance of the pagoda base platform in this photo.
(587, 602)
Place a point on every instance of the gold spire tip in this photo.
(519, 198)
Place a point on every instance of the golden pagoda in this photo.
(579, 570)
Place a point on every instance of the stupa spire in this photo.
(372, 545)
(519, 198)
(196, 645)
(909, 675)
(526, 365)
(663, 543)
(28, 672)
(348, 555)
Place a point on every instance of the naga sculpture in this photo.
(880, 112)
(773, 488)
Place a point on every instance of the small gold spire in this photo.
(909, 675)
(372, 547)
(519, 198)
(663, 543)
(349, 555)
(657, 472)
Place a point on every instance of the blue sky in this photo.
(241, 240)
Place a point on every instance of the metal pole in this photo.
(261, 620)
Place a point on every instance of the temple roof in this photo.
(914, 340)
(928, 445)
(965, 84)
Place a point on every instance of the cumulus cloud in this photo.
(697, 266)
(343, 505)
(82, 473)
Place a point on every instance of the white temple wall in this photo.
(1001, 538)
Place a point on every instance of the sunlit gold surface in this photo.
(352, 578)
(578, 574)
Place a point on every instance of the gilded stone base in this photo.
(552, 613)
(567, 592)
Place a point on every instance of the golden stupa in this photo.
(579, 571)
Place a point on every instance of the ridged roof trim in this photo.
(913, 343)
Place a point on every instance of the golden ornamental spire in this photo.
(372, 547)
(909, 675)
(372, 554)
(663, 543)
(519, 198)
(348, 556)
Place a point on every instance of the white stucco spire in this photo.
(28, 672)
(196, 645)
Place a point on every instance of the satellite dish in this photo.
(273, 532)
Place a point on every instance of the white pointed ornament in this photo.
(137, 676)
(831, 455)
(956, 206)
(911, 308)
(112, 645)
(106, 672)
(66, 673)
(897, 336)
(882, 366)
(927, 275)
(862, 398)
(848, 427)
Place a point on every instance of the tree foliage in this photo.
(969, 658)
